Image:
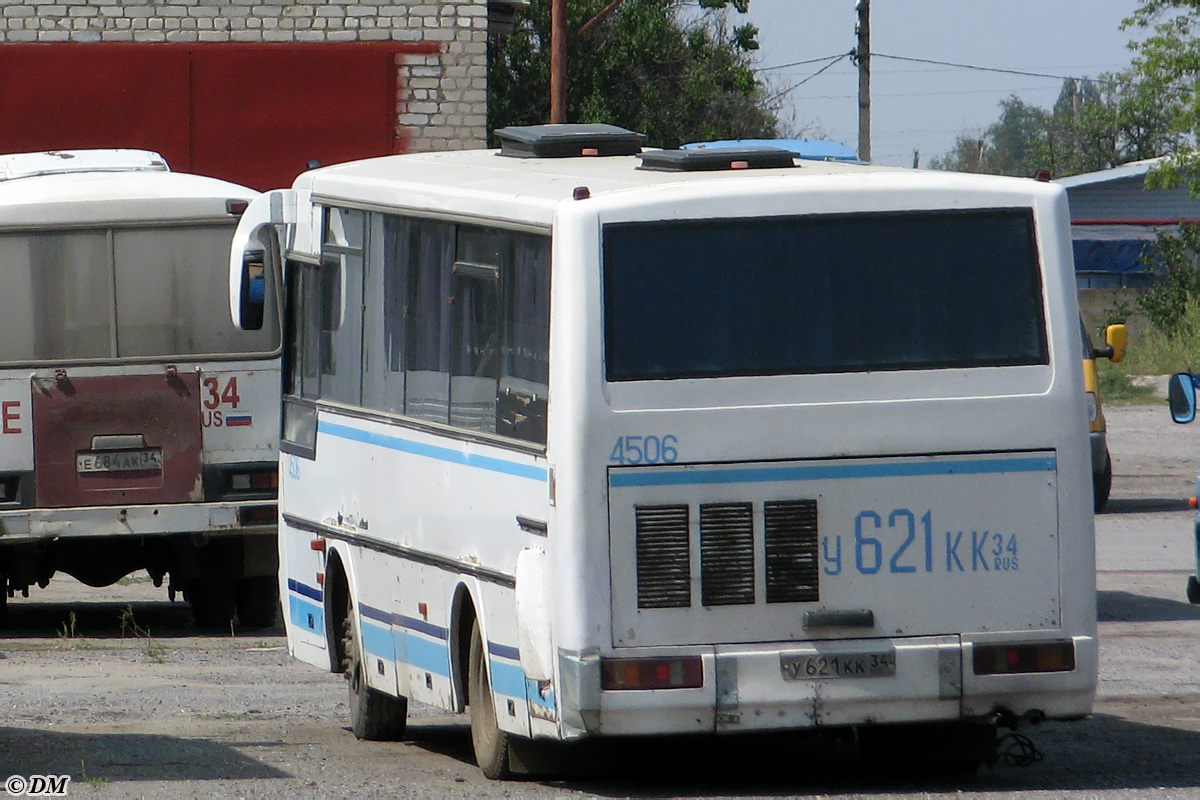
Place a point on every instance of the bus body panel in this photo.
(409, 566)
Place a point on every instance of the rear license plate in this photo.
(881, 664)
(119, 461)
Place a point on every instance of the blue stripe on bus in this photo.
(423, 654)
(535, 696)
(376, 614)
(421, 626)
(504, 651)
(377, 641)
(307, 591)
(814, 472)
(432, 451)
(507, 679)
(300, 610)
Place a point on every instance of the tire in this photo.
(213, 603)
(257, 601)
(489, 742)
(1102, 484)
(1193, 590)
(374, 716)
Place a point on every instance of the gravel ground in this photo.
(162, 710)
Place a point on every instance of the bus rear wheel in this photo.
(212, 602)
(489, 742)
(374, 716)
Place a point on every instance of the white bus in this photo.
(597, 441)
(138, 426)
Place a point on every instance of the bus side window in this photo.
(525, 382)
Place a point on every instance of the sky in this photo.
(922, 107)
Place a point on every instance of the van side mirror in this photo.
(1181, 396)
(1115, 340)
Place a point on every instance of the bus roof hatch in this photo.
(569, 141)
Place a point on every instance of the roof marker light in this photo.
(581, 193)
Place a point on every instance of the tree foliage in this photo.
(645, 67)
(1175, 257)
(1167, 67)
(1093, 125)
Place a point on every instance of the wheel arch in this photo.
(337, 593)
(463, 613)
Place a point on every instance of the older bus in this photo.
(602, 441)
(138, 426)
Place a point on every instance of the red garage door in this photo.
(254, 114)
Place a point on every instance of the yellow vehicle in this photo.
(1115, 338)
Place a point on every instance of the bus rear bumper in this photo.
(213, 519)
(754, 689)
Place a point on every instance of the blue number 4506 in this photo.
(645, 450)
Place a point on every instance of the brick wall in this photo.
(444, 99)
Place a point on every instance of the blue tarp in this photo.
(812, 149)
(1104, 255)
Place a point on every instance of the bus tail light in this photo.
(245, 481)
(1001, 659)
(256, 515)
(617, 674)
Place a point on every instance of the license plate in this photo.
(119, 461)
(880, 664)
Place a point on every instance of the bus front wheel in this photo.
(374, 716)
(489, 742)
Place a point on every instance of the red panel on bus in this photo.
(117, 440)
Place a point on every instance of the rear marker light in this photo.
(1004, 659)
(256, 514)
(236, 207)
(1192, 502)
(318, 545)
(622, 674)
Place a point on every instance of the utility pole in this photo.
(862, 57)
(558, 61)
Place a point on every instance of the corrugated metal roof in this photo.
(1133, 169)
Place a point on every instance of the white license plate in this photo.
(881, 664)
(119, 461)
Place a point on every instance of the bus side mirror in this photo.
(1181, 396)
(253, 298)
(1115, 339)
(255, 249)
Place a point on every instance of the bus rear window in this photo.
(822, 294)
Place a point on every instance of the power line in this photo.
(800, 83)
(838, 56)
(978, 68)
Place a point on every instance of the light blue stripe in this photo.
(535, 697)
(507, 679)
(377, 641)
(430, 656)
(434, 452)
(816, 472)
(299, 609)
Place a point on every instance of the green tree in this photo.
(646, 67)
(1093, 125)
(1175, 257)
(1167, 68)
